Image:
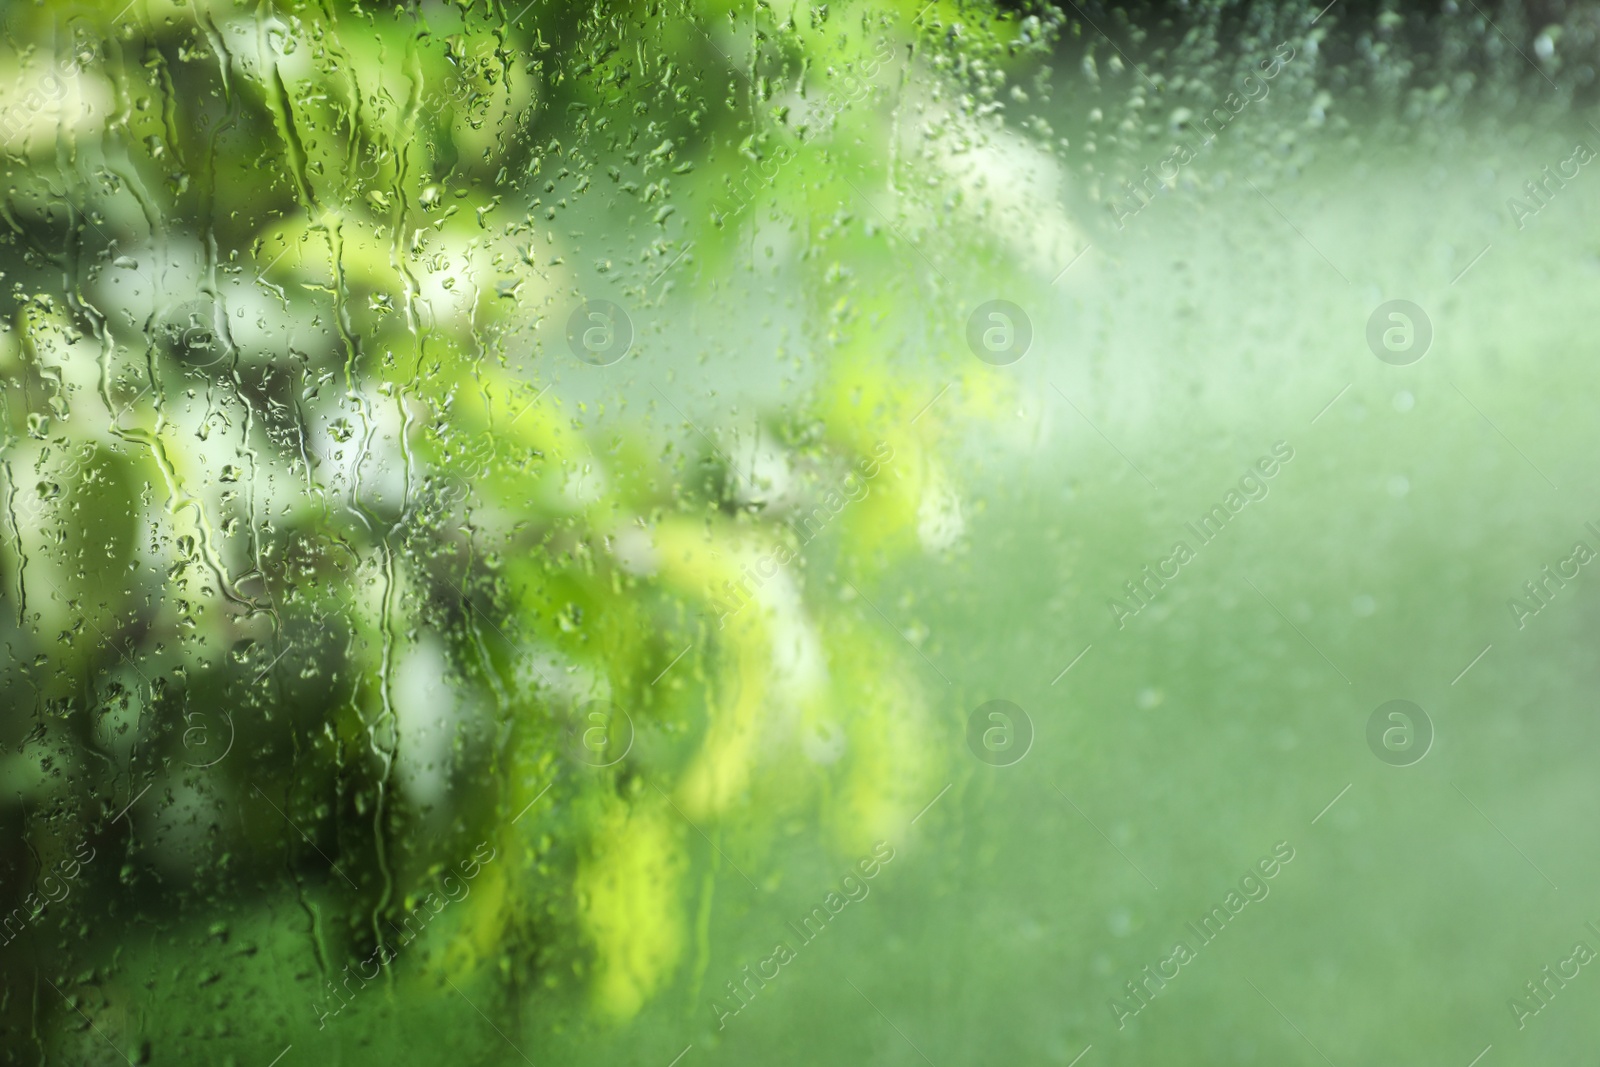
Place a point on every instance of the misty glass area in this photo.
(914, 533)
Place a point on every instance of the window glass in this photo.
(888, 532)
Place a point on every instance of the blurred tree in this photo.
(356, 532)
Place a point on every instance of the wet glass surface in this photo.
(892, 532)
